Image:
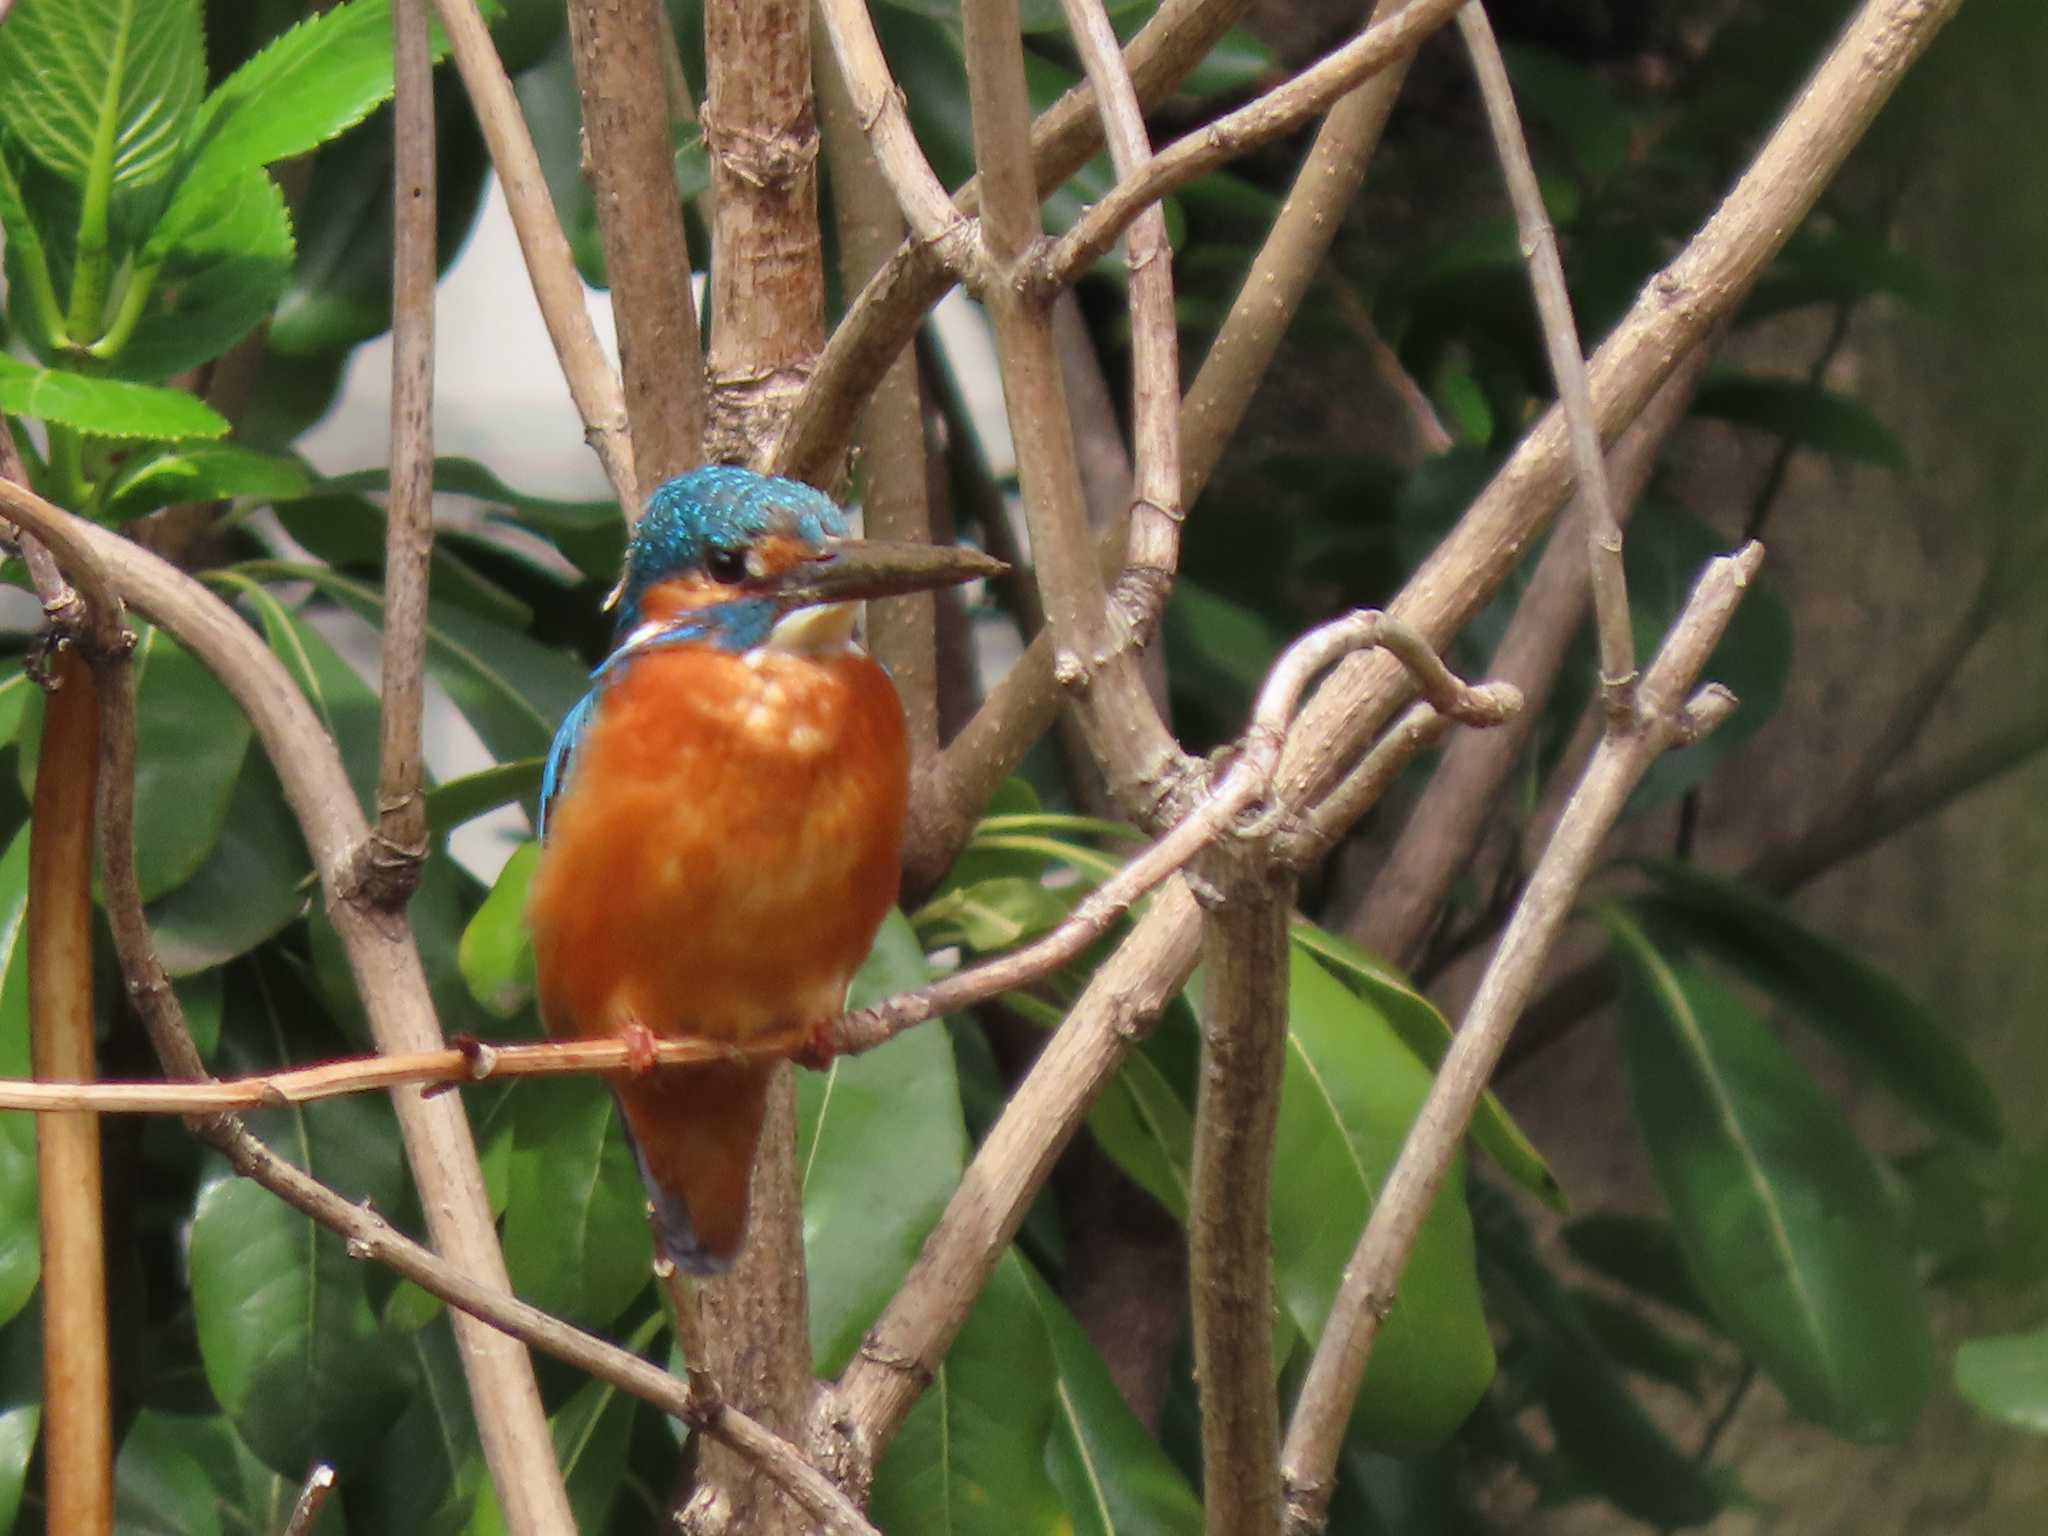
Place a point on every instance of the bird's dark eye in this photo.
(728, 566)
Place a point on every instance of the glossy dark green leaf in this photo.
(199, 472)
(1109, 1471)
(1640, 1253)
(2006, 1378)
(576, 1237)
(86, 82)
(1350, 1093)
(462, 800)
(590, 533)
(348, 532)
(971, 1457)
(549, 103)
(512, 690)
(1838, 267)
(1601, 1429)
(1781, 1213)
(1811, 416)
(156, 1493)
(417, 1476)
(346, 705)
(1427, 1033)
(17, 1441)
(255, 880)
(496, 955)
(21, 1254)
(190, 743)
(104, 407)
(880, 1146)
(1574, 104)
(291, 1348)
(1859, 1008)
(989, 915)
(591, 1433)
(1142, 1122)
(223, 258)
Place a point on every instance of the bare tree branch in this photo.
(619, 48)
(1444, 829)
(1661, 717)
(312, 1499)
(1567, 360)
(549, 265)
(388, 864)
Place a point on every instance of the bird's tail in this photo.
(694, 1130)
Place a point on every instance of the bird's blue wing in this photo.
(561, 754)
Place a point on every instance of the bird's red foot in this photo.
(641, 1056)
(816, 1051)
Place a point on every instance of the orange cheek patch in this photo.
(775, 553)
(669, 599)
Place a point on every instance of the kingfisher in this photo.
(721, 820)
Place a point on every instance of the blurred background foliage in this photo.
(180, 313)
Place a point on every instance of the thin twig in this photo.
(1444, 829)
(312, 1498)
(884, 316)
(878, 106)
(1567, 360)
(896, 491)
(392, 856)
(549, 265)
(78, 1433)
(619, 48)
(1277, 113)
(1662, 716)
(1289, 260)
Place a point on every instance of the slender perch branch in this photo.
(390, 859)
(1567, 359)
(1660, 717)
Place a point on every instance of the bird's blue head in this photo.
(713, 542)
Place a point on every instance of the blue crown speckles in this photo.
(718, 507)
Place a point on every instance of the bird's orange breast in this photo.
(725, 846)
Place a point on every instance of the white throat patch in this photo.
(821, 630)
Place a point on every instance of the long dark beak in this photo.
(851, 569)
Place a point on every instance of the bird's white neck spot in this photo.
(826, 629)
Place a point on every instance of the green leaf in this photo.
(290, 1346)
(21, 1255)
(477, 794)
(349, 533)
(309, 85)
(223, 257)
(1780, 1212)
(990, 915)
(1640, 1253)
(1427, 1033)
(1109, 1471)
(416, 1479)
(195, 472)
(104, 407)
(880, 1146)
(344, 702)
(971, 1457)
(17, 1440)
(252, 884)
(1142, 1122)
(576, 1236)
(1838, 267)
(178, 1473)
(190, 741)
(592, 1433)
(512, 690)
(590, 533)
(2006, 1378)
(496, 955)
(1601, 1429)
(1857, 1007)
(1573, 103)
(1350, 1093)
(75, 74)
(1807, 415)
(1634, 1342)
